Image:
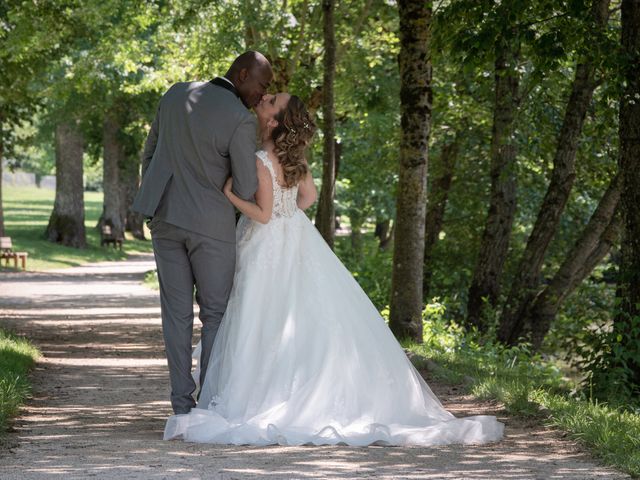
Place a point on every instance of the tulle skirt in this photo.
(303, 357)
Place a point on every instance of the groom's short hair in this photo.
(249, 60)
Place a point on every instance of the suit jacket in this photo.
(201, 134)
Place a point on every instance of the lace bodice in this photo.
(284, 199)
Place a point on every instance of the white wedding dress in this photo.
(303, 356)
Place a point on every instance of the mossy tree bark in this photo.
(494, 246)
(326, 215)
(66, 223)
(627, 322)
(415, 103)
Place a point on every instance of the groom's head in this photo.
(251, 74)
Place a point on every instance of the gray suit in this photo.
(202, 133)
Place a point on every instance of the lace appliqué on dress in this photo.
(284, 199)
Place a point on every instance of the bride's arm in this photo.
(307, 192)
(261, 210)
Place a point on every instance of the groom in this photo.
(202, 133)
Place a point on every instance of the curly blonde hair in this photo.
(291, 137)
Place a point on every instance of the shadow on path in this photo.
(100, 401)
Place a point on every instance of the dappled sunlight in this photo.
(101, 399)
(88, 316)
(227, 462)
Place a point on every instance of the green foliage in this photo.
(478, 356)
(529, 385)
(151, 279)
(612, 434)
(371, 269)
(32, 150)
(26, 48)
(607, 357)
(17, 358)
(585, 310)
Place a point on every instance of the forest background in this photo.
(477, 160)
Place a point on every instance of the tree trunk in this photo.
(357, 221)
(66, 224)
(526, 283)
(130, 182)
(112, 211)
(415, 103)
(594, 243)
(436, 206)
(326, 215)
(384, 233)
(485, 283)
(2, 232)
(627, 322)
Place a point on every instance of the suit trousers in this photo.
(188, 260)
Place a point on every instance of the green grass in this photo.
(151, 279)
(529, 386)
(26, 215)
(17, 358)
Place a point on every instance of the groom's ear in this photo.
(243, 75)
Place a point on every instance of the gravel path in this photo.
(100, 401)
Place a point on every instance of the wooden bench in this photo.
(7, 253)
(107, 237)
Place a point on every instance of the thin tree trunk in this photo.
(326, 215)
(594, 243)
(626, 323)
(2, 232)
(66, 223)
(436, 206)
(384, 233)
(526, 283)
(485, 283)
(130, 173)
(113, 156)
(357, 221)
(415, 103)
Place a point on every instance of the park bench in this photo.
(7, 253)
(107, 237)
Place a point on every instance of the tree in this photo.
(66, 223)
(130, 175)
(485, 284)
(414, 62)
(595, 241)
(113, 213)
(124, 85)
(627, 321)
(31, 36)
(525, 285)
(2, 234)
(436, 206)
(326, 216)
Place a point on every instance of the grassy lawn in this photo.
(17, 357)
(26, 215)
(529, 386)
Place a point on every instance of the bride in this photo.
(302, 355)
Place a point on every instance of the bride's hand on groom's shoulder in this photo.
(227, 186)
